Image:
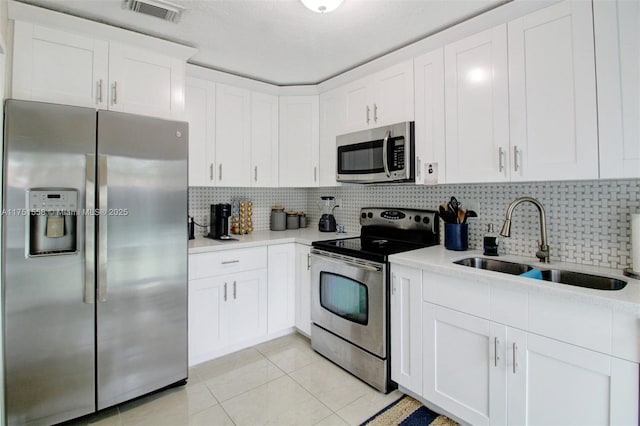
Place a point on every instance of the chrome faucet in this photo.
(543, 252)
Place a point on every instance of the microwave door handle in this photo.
(384, 153)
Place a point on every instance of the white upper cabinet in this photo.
(200, 102)
(332, 115)
(477, 107)
(385, 97)
(617, 36)
(430, 143)
(143, 82)
(264, 140)
(299, 141)
(61, 67)
(233, 136)
(57, 66)
(553, 94)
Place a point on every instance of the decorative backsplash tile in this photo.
(588, 222)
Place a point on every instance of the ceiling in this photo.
(280, 41)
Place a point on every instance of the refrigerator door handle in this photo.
(102, 227)
(89, 230)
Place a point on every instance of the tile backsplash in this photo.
(588, 222)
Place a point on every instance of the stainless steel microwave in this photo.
(383, 154)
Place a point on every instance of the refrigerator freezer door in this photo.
(48, 310)
(142, 236)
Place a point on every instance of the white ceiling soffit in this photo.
(281, 41)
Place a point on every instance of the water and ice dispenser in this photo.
(52, 222)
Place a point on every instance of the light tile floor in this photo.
(280, 382)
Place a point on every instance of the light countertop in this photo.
(263, 238)
(439, 260)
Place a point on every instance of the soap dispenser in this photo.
(490, 242)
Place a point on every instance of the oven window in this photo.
(344, 297)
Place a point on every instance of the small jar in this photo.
(292, 220)
(278, 219)
(302, 219)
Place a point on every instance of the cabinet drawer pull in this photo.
(418, 166)
(496, 342)
(227, 262)
(375, 113)
(255, 173)
(225, 292)
(500, 159)
(315, 174)
(99, 91)
(234, 290)
(514, 358)
(211, 172)
(115, 92)
(368, 112)
(516, 166)
(220, 172)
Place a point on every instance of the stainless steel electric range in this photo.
(350, 290)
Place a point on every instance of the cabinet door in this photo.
(59, 67)
(200, 99)
(463, 371)
(406, 327)
(332, 117)
(429, 128)
(205, 327)
(477, 107)
(552, 90)
(358, 111)
(282, 291)
(299, 141)
(393, 95)
(244, 310)
(552, 382)
(617, 41)
(233, 137)
(303, 289)
(264, 140)
(145, 82)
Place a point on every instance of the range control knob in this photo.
(425, 220)
(363, 215)
(417, 218)
(370, 215)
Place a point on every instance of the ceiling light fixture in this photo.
(321, 6)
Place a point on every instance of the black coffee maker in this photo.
(219, 223)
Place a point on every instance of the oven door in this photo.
(348, 299)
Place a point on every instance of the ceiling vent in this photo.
(158, 8)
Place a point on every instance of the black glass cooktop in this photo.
(372, 248)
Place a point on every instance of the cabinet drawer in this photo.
(473, 298)
(226, 262)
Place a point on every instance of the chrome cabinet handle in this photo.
(225, 291)
(393, 284)
(99, 97)
(220, 172)
(315, 174)
(89, 232)
(375, 113)
(500, 159)
(115, 92)
(103, 205)
(227, 262)
(368, 112)
(384, 153)
(514, 358)
(418, 168)
(308, 261)
(516, 166)
(234, 290)
(496, 342)
(255, 173)
(211, 172)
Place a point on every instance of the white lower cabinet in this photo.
(406, 327)
(205, 328)
(487, 373)
(303, 289)
(282, 294)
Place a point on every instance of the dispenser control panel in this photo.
(53, 200)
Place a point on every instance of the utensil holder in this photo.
(456, 236)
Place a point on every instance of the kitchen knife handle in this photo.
(500, 159)
(103, 204)
(89, 231)
(384, 153)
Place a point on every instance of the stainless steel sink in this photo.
(495, 265)
(553, 275)
(583, 280)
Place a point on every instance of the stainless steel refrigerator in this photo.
(94, 259)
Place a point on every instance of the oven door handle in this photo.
(346, 262)
(385, 142)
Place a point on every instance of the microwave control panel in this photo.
(397, 154)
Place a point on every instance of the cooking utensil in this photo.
(468, 214)
(447, 214)
(462, 216)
